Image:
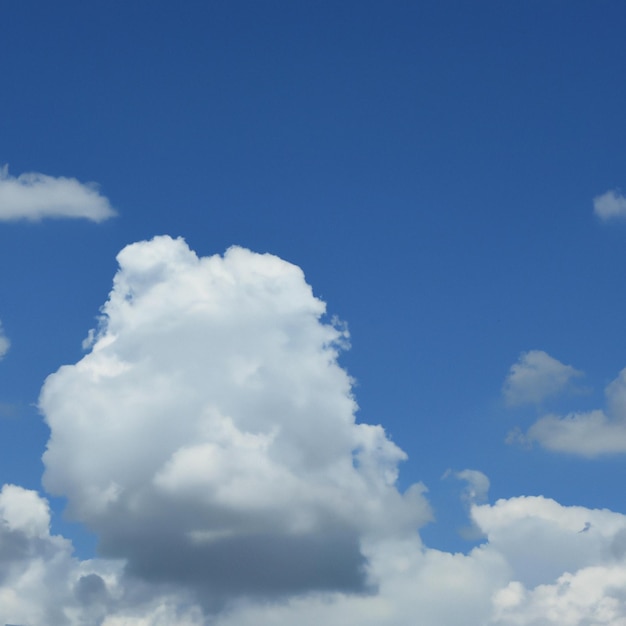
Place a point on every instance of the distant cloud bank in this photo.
(33, 197)
(610, 205)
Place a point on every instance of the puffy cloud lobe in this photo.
(535, 377)
(587, 434)
(36, 569)
(34, 196)
(568, 563)
(42, 583)
(211, 418)
(610, 205)
(5, 344)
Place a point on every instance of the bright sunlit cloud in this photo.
(610, 205)
(33, 197)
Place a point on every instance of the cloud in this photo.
(477, 485)
(534, 567)
(36, 569)
(209, 438)
(211, 418)
(587, 434)
(34, 196)
(610, 205)
(535, 377)
(5, 344)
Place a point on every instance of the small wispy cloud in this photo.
(33, 197)
(535, 377)
(588, 434)
(5, 344)
(610, 205)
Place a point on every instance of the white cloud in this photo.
(34, 196)
(535, 377)
(610, 205)
(587, 434)
(209, 439)
(251, 473)
(5, 344)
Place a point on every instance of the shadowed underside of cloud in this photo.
(34, 196)
(541, 564)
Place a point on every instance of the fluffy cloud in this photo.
(587, 434)
(37, 572)
(209, 438)
(34, 196)
(211, 418)
(535, 377)
(610, 205)
(5, 344)
(42, 583)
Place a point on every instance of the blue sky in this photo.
(447, 176)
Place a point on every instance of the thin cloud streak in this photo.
(5, 344)
(33, 197)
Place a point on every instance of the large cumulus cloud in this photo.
(211, 418)
(209, 438)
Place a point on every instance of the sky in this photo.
(312, 312)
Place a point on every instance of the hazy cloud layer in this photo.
(34, 196)
(587, 434)
(610, 205)
(5, 344)
(535, 377)
(211, 419)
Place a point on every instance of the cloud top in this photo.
(535, 377)
(610, 205)
(33, 197)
